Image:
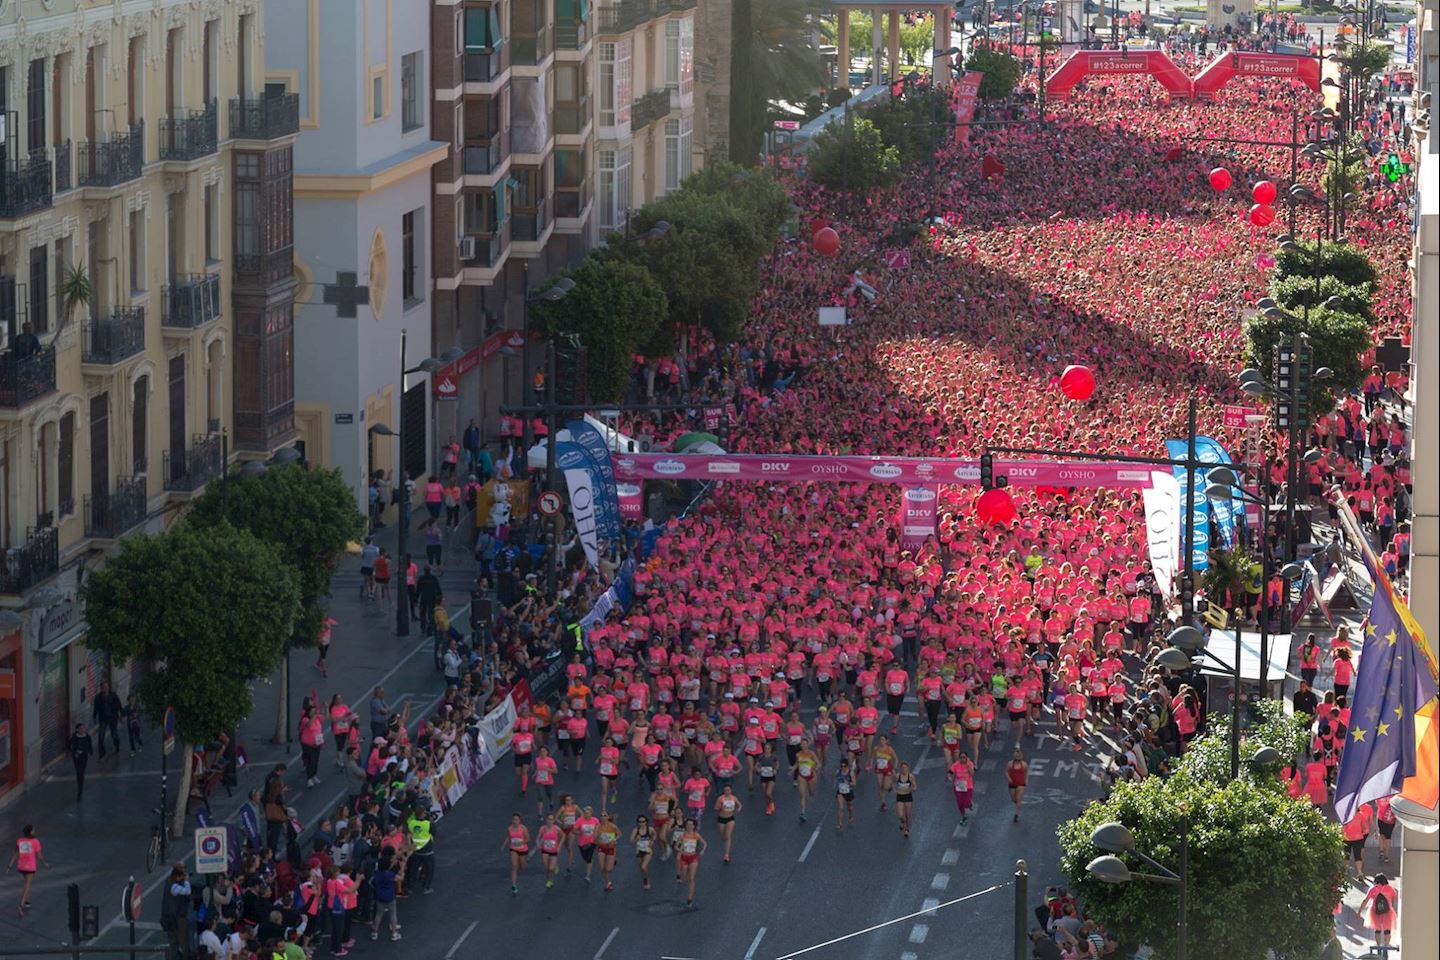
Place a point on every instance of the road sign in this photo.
(211, 850)
(131, 901)
(168, 726)
(550, 503)
(1235, 414)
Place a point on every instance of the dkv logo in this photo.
(767, 466)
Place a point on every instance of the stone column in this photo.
(942, 42)
(894, 52)
(877, 44)
(842, 47)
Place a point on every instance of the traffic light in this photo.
(569, 374)
(987, 471)
(1304, 382)
(1284, 386)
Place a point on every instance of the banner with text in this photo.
(1162, 528)
(580, 479)
(907, 471)
(1200, 519)
(607, 506)
(917, 516)
(966, 91)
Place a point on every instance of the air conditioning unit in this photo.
(467, 248)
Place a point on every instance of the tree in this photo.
(617, 310)
(1337, 338)
(1207, 757)
(850, 153)
(914, 123)
(1297, 293)
(1001, 69)
(1227, 576)
(1344, 261)
(755, 192)
(1265, 871)
(773, 57)
(1364, 61)
(308, 516)
(75, 292)
(208, 610)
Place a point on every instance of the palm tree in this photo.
(75, 291)
(773, 56)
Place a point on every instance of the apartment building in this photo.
(362, 220)
(139, 161)
(563, 116)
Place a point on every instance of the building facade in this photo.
(363, 218)
(145, 307)
(563, 116)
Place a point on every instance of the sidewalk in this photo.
(100, 842)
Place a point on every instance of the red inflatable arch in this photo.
(1226, 66)
(1083, 63)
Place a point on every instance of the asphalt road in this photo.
(790, 887)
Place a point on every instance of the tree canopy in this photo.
(1265, 871)
(308, 516)
(1207, 757)
(851, 153)
(1001, 69)
(207, 609)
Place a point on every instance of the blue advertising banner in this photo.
(1209, 450)
(607, 499)
(1199, 520)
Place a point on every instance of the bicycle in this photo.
(155, 852)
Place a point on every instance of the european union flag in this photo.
(1392, 733)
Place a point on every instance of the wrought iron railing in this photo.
(109, 163)
(115, 338)
(26, 379)
(31, 563)
(25, 187)
(192, 302)
(264, 269)
(112, 513)
(267, 118)
(193, 468)
(649, 108)
(190, 136)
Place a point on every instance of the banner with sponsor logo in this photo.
(496, 728)
(1227, 66)
(607, 506)
(1209, 450)
(1083, 63)
(630, 500)
(617, 596)
(917, 516)
(906, 471)
(572, 460)
(964, 92)
(1200, 520)
(1162, 528)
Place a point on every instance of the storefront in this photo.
(12, 702)
(66, 677)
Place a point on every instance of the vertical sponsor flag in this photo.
(571, 459)
(1199, 521)
(1209, 450)
(917, 516)
(1162, 528)
(967, 91)
(607, 504)
(632, 504)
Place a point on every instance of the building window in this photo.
(39, 289)
(247, 219)
(614, 187)
(135, 83)
(140, 426)
(65, 465)
(377, 97)
(212, 223)
(482, 29)
(137, 250)
(607, 84)
(410, 84)
(207, 58)
(409, 287)
(672, 54)
(35, 107)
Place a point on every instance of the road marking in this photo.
(810, 843)
(886, 923)
(907, 955)
(929, 905)
(950, 857)
(940, 881)
(919, 932)
(754, 945)
(603, 947)
(470, 929)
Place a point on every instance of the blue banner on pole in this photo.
(1209, 450)
(1199, 520)
(607, 498)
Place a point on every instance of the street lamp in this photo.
(1108, 868)
(428, 365)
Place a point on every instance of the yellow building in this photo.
(140, 158)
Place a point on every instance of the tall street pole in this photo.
(402, 566)
(551, 428)
(1187, 587)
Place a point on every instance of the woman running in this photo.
(517, 841)
(822, 731)
(962, 775)
(794, 733)
(806, 763)
(27, 860)
(952, 735)
(1017, 772)
(904, 797)
(726, 806)
(885, 762)
(545, 780)
(607, 841)
(662, 813)
(768, 765)
(609, 772)
(587, 828)
(644, 838)
(567, 815)
(845, 792)
(549, 836)
(692, 848)
(973, 719)
(522, 745)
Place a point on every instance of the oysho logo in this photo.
(669, 467)
(920, 495)
(885, 471)
(1076, 474)
(774, 466)
(724, 466)
(829, 469)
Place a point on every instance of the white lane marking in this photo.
(919, 932)
(907, 955)
(940, 881)
(929, 905)
(754, 945)
(606, 945)
(886, 923)
(808, 844)
(456, 947)
(950, 857)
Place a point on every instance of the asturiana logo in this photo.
(967, 474)
(885, 471)
(669, 467)
(568, 459)
(920, 494)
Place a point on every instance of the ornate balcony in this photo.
(112, 514)
(649, 108)
(109, 163)
(190, 303)
(32, 563)
(268, 118)
(186, 137)
(116, 338)
(23, 380)
(189, 470)
(25, 186)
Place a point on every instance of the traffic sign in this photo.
(211, 850)
(168, 727)
(131, 901)
(550, 503)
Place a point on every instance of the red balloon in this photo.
(1264, 192)
(826, 242)
(996, 506)
(1077, 382)
(1220, 179)
(1262, 215)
